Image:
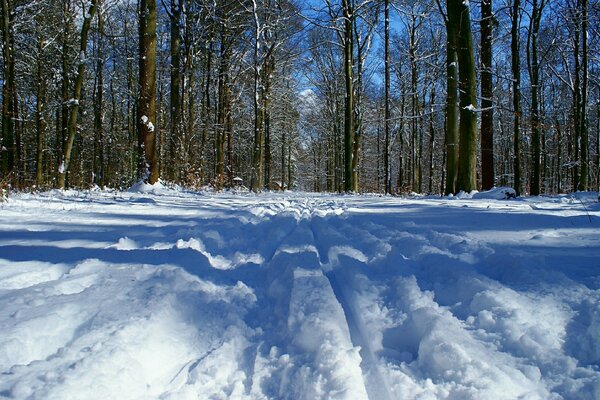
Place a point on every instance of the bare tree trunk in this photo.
(205, 116)
(400, 180)
(39, 113)
(451, 124)
(99, 175)
(258, 163)
(459, 14)
(516, 72)
(386, 151)
(222, 108)
(487, 115)
(74, 111)
(8, 147)
(349, 95)
(598, 142)
(452, 137)
(267, 71)
(534, 71)
(414, 158)
(147, 96)
(176, 141)
(583, 180)
(431, 141)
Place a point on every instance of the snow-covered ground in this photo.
(179, 295)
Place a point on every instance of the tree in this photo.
(74, 101)
(487, 114)
(534, 75)
(175, 97)
(516, 77)
(459, 16)
(386, 153)
(148, 167)
(348, 43)
(8, 147)
(451, 128)
(99, 162)
(583, 128)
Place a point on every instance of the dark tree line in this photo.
(390, 96)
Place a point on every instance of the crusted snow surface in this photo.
(161, 293)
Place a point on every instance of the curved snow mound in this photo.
(499, 193)
(144, 187)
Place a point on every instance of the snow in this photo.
(148, 123)
(185, 295)
(499, 193)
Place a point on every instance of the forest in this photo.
(383, 96)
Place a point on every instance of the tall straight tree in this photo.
(451, 139)
(516, 75)
(348, 14)
(487, 115)
(98, 169)
(583, 128)
(74, 101)
(258, 163)
(386, 154)
(41, 83)
(148, 167)
(9, 87)
(534, 75)
(459, 16)
(175, 96)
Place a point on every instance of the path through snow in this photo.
(176, 295)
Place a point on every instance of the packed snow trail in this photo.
(170, 294)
